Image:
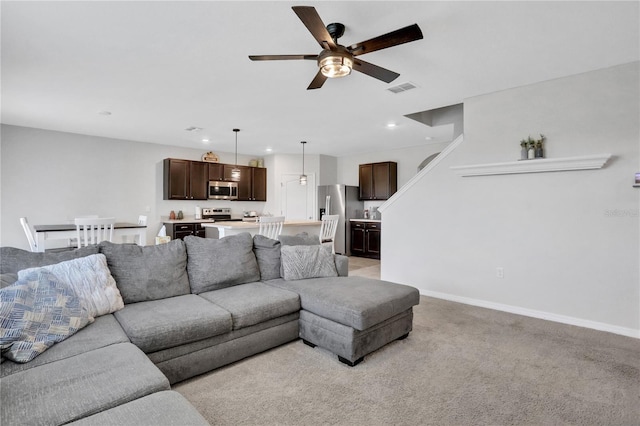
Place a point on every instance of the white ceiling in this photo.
(160, 67)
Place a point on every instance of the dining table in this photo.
(65, 231)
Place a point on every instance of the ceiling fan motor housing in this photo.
(336, 30)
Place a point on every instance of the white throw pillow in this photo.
(300, 262)
(91, 279)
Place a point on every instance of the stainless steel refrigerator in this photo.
(343, 201)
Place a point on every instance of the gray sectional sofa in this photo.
(190, 307)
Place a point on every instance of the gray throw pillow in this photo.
(218, 263)
(300, 262)
(15, 259)
(267, 253)
(301, 239)
(150, 272)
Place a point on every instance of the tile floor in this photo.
(364, 267)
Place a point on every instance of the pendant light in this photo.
(235, 172)
(303, 177)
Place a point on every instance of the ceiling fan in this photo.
(336, 60)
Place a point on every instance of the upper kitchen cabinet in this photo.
(378, 181)
(252, 185)
(216, 172)
(185, 180)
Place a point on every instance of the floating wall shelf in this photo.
(540, 165)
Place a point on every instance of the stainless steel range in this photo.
(218, 213)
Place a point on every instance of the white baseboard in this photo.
(629, 332)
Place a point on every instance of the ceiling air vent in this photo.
(402, 87)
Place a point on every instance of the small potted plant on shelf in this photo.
(523, 149)
(531, 151)
(539, 151)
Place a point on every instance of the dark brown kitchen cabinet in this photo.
(178, 231)
(378, 181)
(189, 180)
(185, 180)
(216, 172)
(365, 239)
(252, 185)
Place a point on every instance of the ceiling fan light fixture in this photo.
(334, 64)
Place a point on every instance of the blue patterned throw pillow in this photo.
(35, 313)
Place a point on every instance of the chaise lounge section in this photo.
(190, 307)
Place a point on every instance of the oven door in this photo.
(223, 190)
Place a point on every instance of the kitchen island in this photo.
(291, 227)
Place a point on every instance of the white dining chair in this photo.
(328, 229)
(92, 230)
(33, 244)
(30, 237)
(270, 226)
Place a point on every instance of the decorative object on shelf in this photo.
(210, 157)
(523, 149)
(260, 162)
(235, 172)
(180, 215)
(637, 184)
(172, 215)
(303, 177)
(531, 148)
(253, 163)
(540, 147)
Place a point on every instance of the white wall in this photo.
(51, 177)
(568, 241)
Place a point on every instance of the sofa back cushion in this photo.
(150, 272)
(218, 263)
(267, 253)
(15, 259)
(301, 239)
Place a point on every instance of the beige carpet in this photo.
(461, 365)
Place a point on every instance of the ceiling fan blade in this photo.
(394, 38)
(318, 81)
(281, 57)
(314, 24)
(374, 71)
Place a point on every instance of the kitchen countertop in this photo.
(366, 220)
(187, 220)
(251, 225)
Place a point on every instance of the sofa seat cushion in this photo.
(253, 303)
(161, 408)
(103, 332)
(165, 323)
(79, 386)
(358, 302)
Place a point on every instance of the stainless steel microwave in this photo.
(222, 190)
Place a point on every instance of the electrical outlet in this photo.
(500, 272)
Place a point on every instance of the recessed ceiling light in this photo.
(391, 125)
(428, 138)
(269, 149)
(193, 129)
(104, 113)
(205, 140)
